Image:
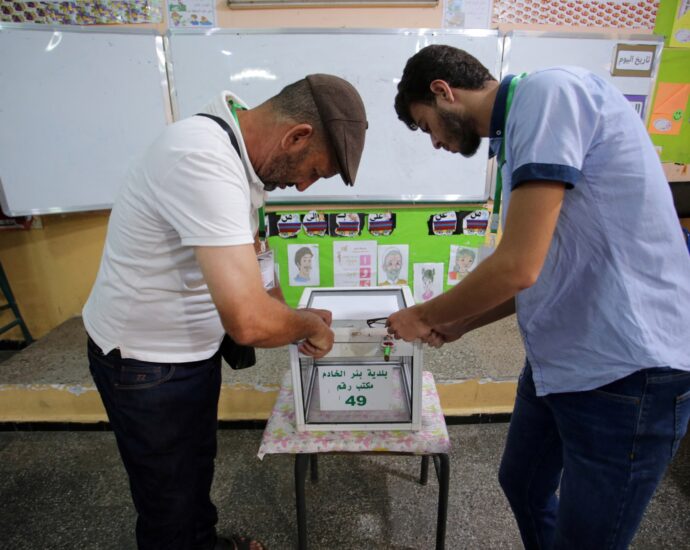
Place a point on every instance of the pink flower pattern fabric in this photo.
(635, 14)
(281, 435)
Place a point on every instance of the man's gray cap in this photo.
(344, 119)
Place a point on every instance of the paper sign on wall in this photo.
(680, 34)
(669, 108)
(633, 60)
(637, 102)
(357, 389)
(354, 263)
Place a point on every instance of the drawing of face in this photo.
(464, 261)
(428, 278)
(392, 264)
(303, 259)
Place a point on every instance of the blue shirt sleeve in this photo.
(550, 128)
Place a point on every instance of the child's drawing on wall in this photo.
(428, 281)
(462, 261)
(304, 265)
(393, 264)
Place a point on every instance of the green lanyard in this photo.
(502, 154)
(262, 223)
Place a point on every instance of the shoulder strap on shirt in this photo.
(225, 126)
(233, 139)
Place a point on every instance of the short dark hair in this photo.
(301, 253)
(437, 62)
(295, 102)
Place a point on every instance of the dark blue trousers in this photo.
(164, 416)
(607, 449)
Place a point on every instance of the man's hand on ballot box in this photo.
(408, 324)
(321, 341)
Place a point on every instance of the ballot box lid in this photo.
(354, 303)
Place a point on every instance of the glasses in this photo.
(378, 322)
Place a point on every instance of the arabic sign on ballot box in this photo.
(366, 389)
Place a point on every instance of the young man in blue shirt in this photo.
(592, 258)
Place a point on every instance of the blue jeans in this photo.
(164, 417)
(607, 449)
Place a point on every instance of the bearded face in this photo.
(283, 170)
(461, 130)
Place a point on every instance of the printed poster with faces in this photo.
(303, 265)
(354, 263)
(462, 261)
(393, 264)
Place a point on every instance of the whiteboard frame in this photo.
(617, 37)
(352, 199)
(84, 29)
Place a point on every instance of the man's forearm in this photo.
(279, 326)
(496, 314)
(485, 295)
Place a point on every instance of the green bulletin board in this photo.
(411, 229)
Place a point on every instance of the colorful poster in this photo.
(462, 261)
(680, 33)
(315, 224)
(82, 12)
(381, 224)
(428, 281)
(669, 109)
(345, 224)
(303, 265)
(619, 14)
(192, 13)
(393, 264)
(637, 102)
(669, 120)
(467, 14)
(354, 263)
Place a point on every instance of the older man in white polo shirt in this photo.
(179, 270)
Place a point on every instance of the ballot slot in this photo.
(368, 380)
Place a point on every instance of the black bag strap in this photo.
(225, 126)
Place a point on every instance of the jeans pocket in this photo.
(617, 397)
(628, 389)
(141, 377)
(682, 419)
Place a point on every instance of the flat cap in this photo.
(343, 117)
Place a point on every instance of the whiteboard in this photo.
(76, 106)
(397, 164)
(528, 51)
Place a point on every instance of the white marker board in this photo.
(76, 107)
(397, 164)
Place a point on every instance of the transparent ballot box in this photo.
(368, 381)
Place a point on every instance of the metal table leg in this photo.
(442, 464)
(424, 476)
(314, 468)
(301, 466)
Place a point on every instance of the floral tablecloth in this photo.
(281, 435)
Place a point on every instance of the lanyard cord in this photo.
(502, 154)
(262, 222)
